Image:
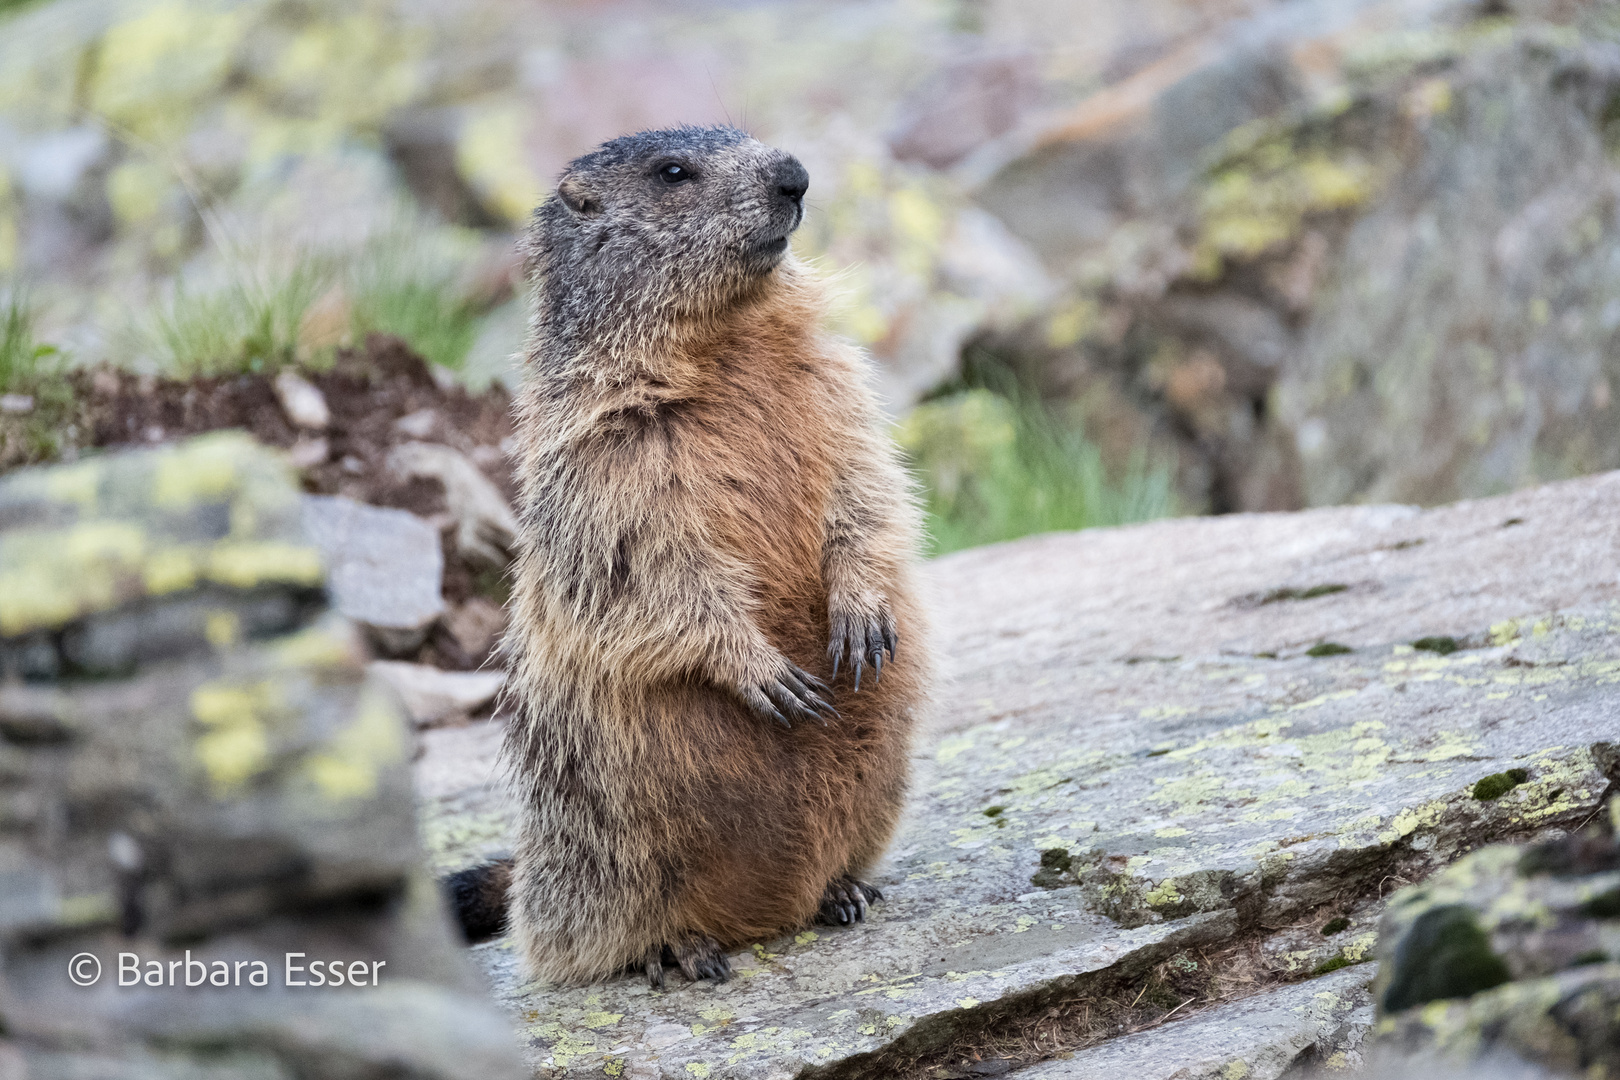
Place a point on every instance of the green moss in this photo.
(1279, 595)
(1055, 865)
(1445, 646)
(1595, 956)
(1603, 906)
(1444, 955)
(1327, 648)
(1332, 964)
(1496, 785)
(994, 811)
(1334, 926)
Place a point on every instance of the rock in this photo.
(473, 629)
(385, 568)
(228, 802)
(307, 453)
(1261, 1037)
(485, 525)
(17, 404)
(1290, 195)
(1513, 951)
(1142, 701)
(419, 424)
(432, 696)
(119, 560)
(303, 403)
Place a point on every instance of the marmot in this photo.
(716, 656)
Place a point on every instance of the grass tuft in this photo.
(23, 360)
(38, 415)
(261, 313)
(997, 466)
(248, 324)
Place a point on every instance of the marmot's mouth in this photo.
(772, 247)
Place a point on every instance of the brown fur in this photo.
(705, 494)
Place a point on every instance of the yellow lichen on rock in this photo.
(348, 765)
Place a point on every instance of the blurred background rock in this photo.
(1179, 255)
(193, 760)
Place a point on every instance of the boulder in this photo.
(385, 568)
(226, 801)
(1512, 952)
(1348, 250)
(1173, 765)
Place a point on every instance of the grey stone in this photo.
(432, 696)
(385, 567)
(53, 166)
(485, 525)
(302, 401)
(1256, 1038)
(1143, 699)
(475, 627)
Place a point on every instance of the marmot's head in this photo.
(661, 226)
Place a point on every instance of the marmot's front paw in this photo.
(791, 692)
(861, 639)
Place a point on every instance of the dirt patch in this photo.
(368, 391)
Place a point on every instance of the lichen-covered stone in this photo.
(1512, 950)
(1358, 251)
(123, 558)
(231, 788)
(1133, 756)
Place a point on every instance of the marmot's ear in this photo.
(579, 198)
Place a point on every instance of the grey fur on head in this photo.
(655, 228)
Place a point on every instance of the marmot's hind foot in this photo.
(699, 958)
(846, 900)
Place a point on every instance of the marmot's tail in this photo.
(478, 898)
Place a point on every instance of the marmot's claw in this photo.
(846, 900)
(863, 641)
(794, 695)
(702, 959)
(806, 688)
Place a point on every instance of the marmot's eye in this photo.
(673, 173)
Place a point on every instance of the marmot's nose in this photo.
(791, 179)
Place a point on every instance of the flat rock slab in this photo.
(1257, 1038)
(1141, 702)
